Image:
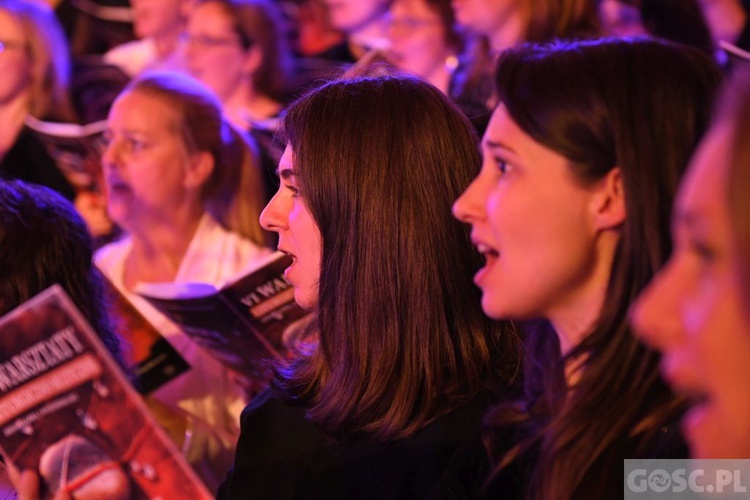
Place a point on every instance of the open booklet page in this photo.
(243, 324)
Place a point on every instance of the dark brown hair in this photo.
(402, 337)
(680, 21)
(451, 34)
(735, 106)
(234, 193)
(44, 241)
(550, 19)
(640, 105)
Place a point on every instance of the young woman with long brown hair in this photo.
(571, 210)
(401, 362)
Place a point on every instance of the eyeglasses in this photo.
(407, 23)
(209, 41)
(9, 44)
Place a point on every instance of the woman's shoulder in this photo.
(276, 453)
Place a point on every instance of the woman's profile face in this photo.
(147, 169)
(214, 51)
(299, 237)
(692, 311)
(15, 64)
(532, 222)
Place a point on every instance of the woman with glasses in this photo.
(238, 48)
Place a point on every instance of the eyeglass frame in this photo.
(215, 41)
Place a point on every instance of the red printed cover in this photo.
(67, 411)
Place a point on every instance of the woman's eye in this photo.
(502, 165)
(703, 251)
(136, 145)
(292, 189)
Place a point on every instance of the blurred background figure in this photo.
(362, 23)
(312, 32)
(423, 40)
(729, 22)
(697, 309)
(177, 180)
(39, 82)
(621, 18)
(35, 69)
(499, 24)
(158, 25)
(239, 50)
(679, 21)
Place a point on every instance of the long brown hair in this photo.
(234, 193)
(44, 241)
(735, 106)
(402, 337)
(639, 105)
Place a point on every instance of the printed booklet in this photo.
(243, 323)
(68, 411)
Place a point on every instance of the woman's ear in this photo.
(253, 60)
(200, 168)
(608, 203)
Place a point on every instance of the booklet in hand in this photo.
(243, 323)
(68, 411)
(147, 353)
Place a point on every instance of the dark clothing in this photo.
(281, 455)
(29, 161)
(466, 476)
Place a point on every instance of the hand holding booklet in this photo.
(243, 323)
(69, 413)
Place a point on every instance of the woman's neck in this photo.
(158, 250)
(577, 315)
(12, 116)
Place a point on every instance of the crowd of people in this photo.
(521, 230)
